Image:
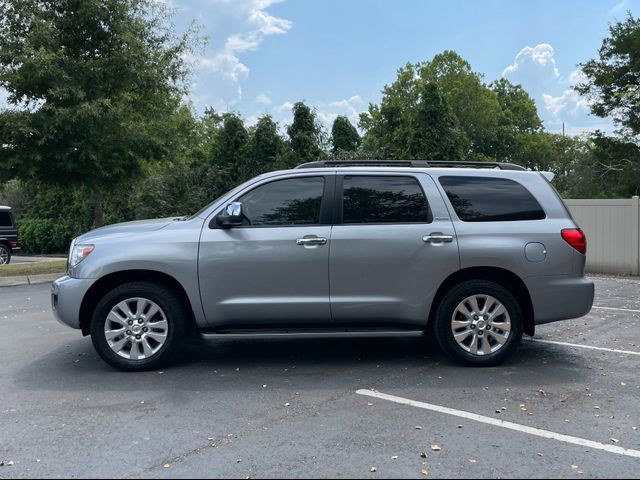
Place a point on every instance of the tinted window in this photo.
(482, 199)
(294, 201)
(384, 200)
(5, 219)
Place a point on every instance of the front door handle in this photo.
(437, 238)
(311, 241)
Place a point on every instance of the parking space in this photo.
(305, 408)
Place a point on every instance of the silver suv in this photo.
(475, 254)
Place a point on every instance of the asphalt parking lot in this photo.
(292, 408)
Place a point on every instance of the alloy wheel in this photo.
(481, 325)
(136, 329)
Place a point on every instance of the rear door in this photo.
(393, 244)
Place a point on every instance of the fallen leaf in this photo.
(418, 427)
(472, 460)
(424, 472)
(436, 448)
(287, 404)
(167, 465)
(374, 469)
(395, 457)
(575, 467)
(423, 454)
(615, 440)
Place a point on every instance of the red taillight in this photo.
(14, 245)
(576, 238)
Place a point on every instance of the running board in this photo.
(253, 334)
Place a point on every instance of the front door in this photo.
(273, 270)
(392, 246)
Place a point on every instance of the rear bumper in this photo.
(66, 299)
(560, 297)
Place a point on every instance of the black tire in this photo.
(165, 299)
(6, 251)
(449, 304)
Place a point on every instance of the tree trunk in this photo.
(98, 213)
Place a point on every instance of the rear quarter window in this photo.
(5, 219)
(488, 199)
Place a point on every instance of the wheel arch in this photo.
(113, 280)
(501, 276)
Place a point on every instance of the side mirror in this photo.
(232, 216)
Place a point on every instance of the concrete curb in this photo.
(29, 280)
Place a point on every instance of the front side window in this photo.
(488, 199)
(5, 219)
(380, 199)
(294, 201)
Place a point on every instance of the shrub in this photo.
(41, 236)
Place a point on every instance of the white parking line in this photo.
(503, 424)
(588, 347)
(617, 309)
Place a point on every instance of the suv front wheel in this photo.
(137, 326)
(479, 323)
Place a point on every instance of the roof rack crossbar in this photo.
(410, 163)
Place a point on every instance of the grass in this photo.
(37, 268)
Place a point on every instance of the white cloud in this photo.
(536, 69)
(533, 64)
(286, 106)
(621, 8)
(256, 24)
(570, 102)
(348, 107)
(263, 99)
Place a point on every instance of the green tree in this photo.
(266, 148)
(433, 130)
(613, 80)
(413, 120)
(94, 87)
(474, 105)
(518, 108)
(229, 147)
(305, 135)
(344, 136)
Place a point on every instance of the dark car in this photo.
(8, 235)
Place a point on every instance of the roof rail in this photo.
(410, 163)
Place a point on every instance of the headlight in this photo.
(78, 253)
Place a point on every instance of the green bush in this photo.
(41, 236)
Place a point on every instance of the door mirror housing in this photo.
(231, 217)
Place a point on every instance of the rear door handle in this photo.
(437, 238)
(310, 241)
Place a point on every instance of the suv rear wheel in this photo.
(479, 323)
(137, 326)
(5, 254)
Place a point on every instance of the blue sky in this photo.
(337, 55)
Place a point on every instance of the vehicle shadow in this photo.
(308, 364)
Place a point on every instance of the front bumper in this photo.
(66, 299)
(556, 298)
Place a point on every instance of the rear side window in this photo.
(380, 199)
(5, 219)
(485, 199)
(295, 201)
